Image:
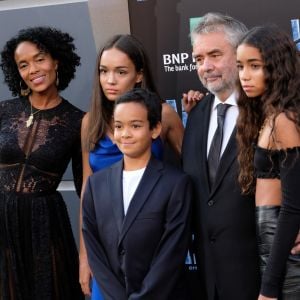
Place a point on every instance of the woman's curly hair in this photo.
(58, 44)
(282, 95)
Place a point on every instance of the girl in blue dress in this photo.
(122, 64)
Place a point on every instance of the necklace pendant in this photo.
(29, 121)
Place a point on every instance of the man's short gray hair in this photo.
(233, 29)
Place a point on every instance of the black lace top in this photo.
(33, 159)
(38, 255)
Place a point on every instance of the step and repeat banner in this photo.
(164, 27)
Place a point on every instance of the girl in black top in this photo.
(269, 135)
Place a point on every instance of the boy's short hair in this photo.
(148, 99)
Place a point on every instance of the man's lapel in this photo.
(226, 161)
(203, 141)
(116, 192)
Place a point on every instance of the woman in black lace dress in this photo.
(39, 135)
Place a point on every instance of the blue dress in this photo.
(104, 155)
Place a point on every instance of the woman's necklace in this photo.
(32, 113)
(30, 118)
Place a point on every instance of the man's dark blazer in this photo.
(223, 219)
(141, 255)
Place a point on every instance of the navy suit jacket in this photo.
(223, 219)
(141, 255)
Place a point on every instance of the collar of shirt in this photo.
(230, 100)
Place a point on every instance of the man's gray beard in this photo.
(228, 86)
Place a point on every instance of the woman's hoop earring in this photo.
(24, 91)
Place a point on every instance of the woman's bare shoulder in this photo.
(287, 132)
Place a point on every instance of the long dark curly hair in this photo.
(282, 78)
(58, 44)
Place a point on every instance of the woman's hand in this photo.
(84, 275)
(190, 99)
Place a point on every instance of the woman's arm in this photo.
(172, 128)
(84, 269)
(287, 138)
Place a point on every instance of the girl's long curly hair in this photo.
(282, 79)
(58, 44)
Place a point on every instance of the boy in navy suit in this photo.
(136, 213)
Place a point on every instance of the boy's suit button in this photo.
(210, 202)
(122, 252)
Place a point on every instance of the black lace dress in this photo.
(38, 255)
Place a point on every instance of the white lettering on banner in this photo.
(181, 68)
(193, 67)
(169, 69)
(178, 58)
(178, 62)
